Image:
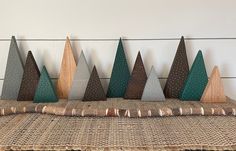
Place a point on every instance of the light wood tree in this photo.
(67, 71)
(214, 91)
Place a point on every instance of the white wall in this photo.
(153, 27)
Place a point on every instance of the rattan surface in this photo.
(34, 131)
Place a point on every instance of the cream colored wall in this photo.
(152, 27)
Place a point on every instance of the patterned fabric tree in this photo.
(152, 90)
(94, 90)
(137, 80)
(196, 81)
(80, 80)
(45, 91)
(13, 74)
(178, 72)
(30, 79)
(120, 74)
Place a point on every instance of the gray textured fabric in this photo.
(80, 80)
(13, 73)
(153, 90)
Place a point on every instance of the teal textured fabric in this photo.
(45, 91)
(197, 80)
(120, 74)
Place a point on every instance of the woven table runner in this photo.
(34, 131)
(120, 108)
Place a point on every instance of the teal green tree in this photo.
(45, 91)
(120, 74)
(196, 81)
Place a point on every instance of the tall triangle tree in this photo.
(30, 79)
(68, 67)
(196, 81)
(45, 91)
(214, 91)
(80, 80)
(137, 80)
(152, 90)
(178, 72)
(120, 74)
(94, 90)
(13, 74)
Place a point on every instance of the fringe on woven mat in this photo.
(117, 148)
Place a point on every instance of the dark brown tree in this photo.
(94, 90)
(137, 80)
(178, 72)
(30, 79)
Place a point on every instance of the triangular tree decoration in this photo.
(45, 91)
(137, 80)
(120, 74)
(214, 91)
(30, 79)
(178, 72)
(196, 81)
(80, 80)
(94, 90)
(13, 74)
(152, 90)
(68, 67)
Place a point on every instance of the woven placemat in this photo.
(50, 132)
(120, 108)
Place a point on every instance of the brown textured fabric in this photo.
(137, 80)
(178, 72)
(94, 90)
(30, 79)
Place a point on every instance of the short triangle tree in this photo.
(196, 81)
(137, 80)
(152, 90)
(178, 72)
(214, 91)
(80, 80)
(67, 71)
(94, 90)
(30, 79)
(45, 91)
(120, 74)
(13, 74)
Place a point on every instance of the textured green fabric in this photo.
(120, 74)
(45, 91)
(196, 81)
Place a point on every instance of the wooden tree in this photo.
(196, 81)
(45, 91)
(152, 90)
(30, 79)
(178, 72)
(214, 91)
(120, 74)
(137, 80)
(13, 74)
(68, 68)
(94, 90)
(80, 80)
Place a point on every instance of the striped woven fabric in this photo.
(120, 108)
